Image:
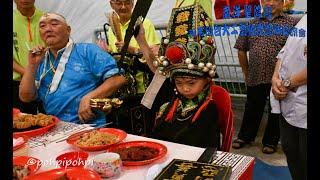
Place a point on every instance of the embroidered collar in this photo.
(187, 106)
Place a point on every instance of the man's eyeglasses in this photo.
(119, 3)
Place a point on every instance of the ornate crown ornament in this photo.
(189, 46)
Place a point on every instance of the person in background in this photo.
(123, 9)
(130, 115)
(66, 75)
(25, 35)
(258, 70)
(289, 88)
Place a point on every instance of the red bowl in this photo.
(72, 159)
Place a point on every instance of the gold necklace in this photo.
(52, 67)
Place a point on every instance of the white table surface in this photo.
(48, 153)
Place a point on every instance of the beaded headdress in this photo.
(188, 47)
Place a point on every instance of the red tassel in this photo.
(203, 106)
(172, 110)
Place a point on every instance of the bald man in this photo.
(66, 75)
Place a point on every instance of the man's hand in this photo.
(243, 60)
(85, 113)
(278, 90)
(35, 57)
(131, 49)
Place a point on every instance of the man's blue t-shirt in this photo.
(88, 66)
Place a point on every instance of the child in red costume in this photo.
(199, 113)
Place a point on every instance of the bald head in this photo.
(53, 16)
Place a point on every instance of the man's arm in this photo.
(106, 89)
(17, 68)
(148, 53)
(299, 79)
(155, 49)
(243, 60)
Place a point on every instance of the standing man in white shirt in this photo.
(289, 87)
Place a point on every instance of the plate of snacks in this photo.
(136, 153)
(24, 166)
(77, 173)
(96, 139)
(33, 125)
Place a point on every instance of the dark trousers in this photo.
(294, 145)
(30, 108)
(256, 100)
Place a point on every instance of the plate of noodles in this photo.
(96, 139)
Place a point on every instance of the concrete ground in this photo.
(278, 158)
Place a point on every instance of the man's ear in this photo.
(69, 29)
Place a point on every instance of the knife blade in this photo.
(208, 155)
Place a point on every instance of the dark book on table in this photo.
(193, 170)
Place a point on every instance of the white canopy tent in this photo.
(84, 16)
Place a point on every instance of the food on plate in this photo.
(28, 120)
(20, 172)
(96, 138)
(43, 120)
(137, 153)
(21, 123)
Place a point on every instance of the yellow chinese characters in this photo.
(181, 30)
(183, 16)
(209, 171)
